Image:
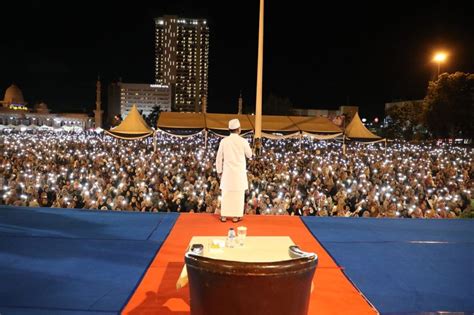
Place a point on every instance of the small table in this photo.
(255, 249)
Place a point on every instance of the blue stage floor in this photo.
(404, 265)
(63, 261)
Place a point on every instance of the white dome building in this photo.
(15, 114)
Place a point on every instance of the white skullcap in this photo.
(234, 124)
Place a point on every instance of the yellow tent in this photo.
(132, 127)
(221, 121)
(272, 123)
(181, 120)
(357, 130)
(315, 124)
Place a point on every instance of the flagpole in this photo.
(258, 103)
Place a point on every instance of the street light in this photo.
(439, 58)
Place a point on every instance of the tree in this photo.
(152, 119)
(116, 121)
(276, 105)
(450, 105)
(407, 120)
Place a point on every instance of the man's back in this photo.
(230, 161)
(234, 149)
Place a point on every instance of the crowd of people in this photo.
(89, 170)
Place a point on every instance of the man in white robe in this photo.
(232, 168)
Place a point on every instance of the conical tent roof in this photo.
(357, 130)
(132, 127)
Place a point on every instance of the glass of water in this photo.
(241, 234)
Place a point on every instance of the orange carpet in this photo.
(157, 293)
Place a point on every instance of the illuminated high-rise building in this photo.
(182, 60)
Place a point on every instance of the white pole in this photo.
(258, 102)
(344, 144)
(301, 141)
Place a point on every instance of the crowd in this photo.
(308, 178)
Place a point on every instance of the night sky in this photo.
(319, 57)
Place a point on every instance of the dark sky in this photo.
(319, 56)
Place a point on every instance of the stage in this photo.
(64, 261)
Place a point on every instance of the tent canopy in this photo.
(276, 123)
(315, 124)
(285, 124)
(221, 121)
(181, 120)
(132, 127)
(357, 130)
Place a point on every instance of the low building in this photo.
(337, 116)
(16, 114)
(122, 96)
(316, 112)
(15, 118)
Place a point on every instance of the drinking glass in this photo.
(241, 234)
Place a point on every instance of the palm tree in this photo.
(152, 119)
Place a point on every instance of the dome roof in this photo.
(41, 108)
(42, 105)
(13, 95)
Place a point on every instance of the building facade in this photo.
(316, 112)
(15, 114)
(30, 120)
(182, 60)
(122, 96)
(340, 116)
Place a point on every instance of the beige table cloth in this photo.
(255, 249)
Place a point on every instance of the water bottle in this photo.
(230, 242)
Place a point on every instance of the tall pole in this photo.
(239, 111)
(344, 144)
(439, 67)
(204, 105)
(98, 110)
(258, 103)
(204, 111)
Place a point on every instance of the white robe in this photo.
(230, 161)
(232, 203)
